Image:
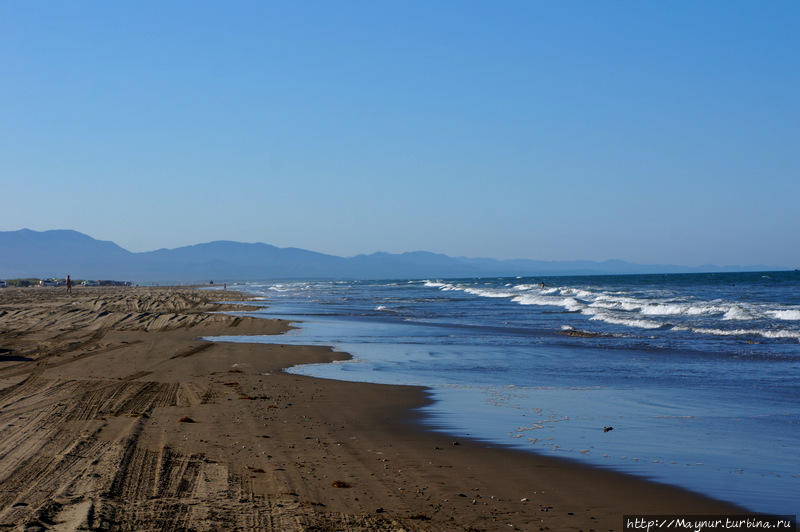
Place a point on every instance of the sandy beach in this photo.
(115, 414)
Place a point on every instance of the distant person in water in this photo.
(69, 285)
(542, 285)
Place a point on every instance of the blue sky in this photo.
(656, 132)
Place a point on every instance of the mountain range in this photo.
(56, 253)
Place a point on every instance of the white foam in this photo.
(577, 292)
(789, 315)
(616, 303)
(749, 332)
(569, 303)
(725, 332)
(642, 324)
(584, 294)
(573, 304)
(530, 299)
(626, 306)
(781, 334)
(736, 312)
(656, 309)
(487, 292)
(695, 310)
(623, 308)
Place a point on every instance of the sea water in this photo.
(698, 374)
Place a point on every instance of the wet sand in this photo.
(114, 414)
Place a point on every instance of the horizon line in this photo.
(742, 268)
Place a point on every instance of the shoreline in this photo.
(95, 386)
(415, 420)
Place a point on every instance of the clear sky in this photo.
(656, 132)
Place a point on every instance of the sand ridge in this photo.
(116, 415)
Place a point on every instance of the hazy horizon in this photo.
(650, 133)
(769, 267)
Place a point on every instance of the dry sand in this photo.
(115, 415)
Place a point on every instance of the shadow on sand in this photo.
(6, 356)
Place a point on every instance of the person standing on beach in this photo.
(69, 285)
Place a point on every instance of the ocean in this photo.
(698, 375)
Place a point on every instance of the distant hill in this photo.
(27, 253)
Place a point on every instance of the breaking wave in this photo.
(789, 315)
(642, 309)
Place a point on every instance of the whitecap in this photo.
(642, 324)
(736, 312)
(789, 315)
(487, 292)
(749, 332)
